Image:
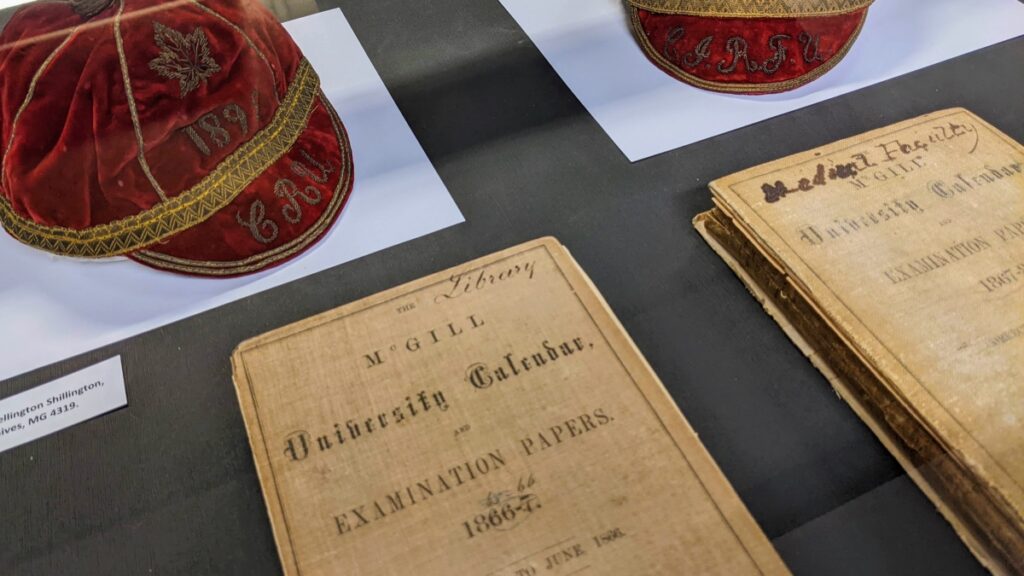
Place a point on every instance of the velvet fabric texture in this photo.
(746, 55)
(189, 135)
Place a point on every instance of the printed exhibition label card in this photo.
(57, 405)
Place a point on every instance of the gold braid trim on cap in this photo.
(192, 206)
(752, 8)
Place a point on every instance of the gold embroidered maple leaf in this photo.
(183, 58)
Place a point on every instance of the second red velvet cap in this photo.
(747, 46)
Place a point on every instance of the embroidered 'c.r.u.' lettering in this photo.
(288, 191)
(263, 228)
(300, 169)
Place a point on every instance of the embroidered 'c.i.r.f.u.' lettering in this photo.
(737, 52)
(752, 8)
(729, 62)
(812, 47)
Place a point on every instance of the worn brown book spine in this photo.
(968, 505)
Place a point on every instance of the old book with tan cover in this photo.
(895, 261)
(489, 420)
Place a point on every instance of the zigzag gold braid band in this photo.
(192, 206)
(751, 8)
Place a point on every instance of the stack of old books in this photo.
(895, 261)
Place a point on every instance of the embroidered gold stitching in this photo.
(772, 65)
(300, 169)
(312, 195)
(701, 53)
(258, 222)
(739, 50)
(196, 139)
(183, 58)
(256, 106)
(812, 49)
(674, 35)
(287, 190)
(751, 8)
(691, 59)
(132, 108)
(248, 40)
(190, 207)
(236, 115)
(210, 123)
(735, 87)
(262, 260)
(737, 46)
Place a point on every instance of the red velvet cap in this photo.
(189, 135)
(747, 46)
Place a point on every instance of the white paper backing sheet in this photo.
(647, 112)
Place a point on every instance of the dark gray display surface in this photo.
(167, 485)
